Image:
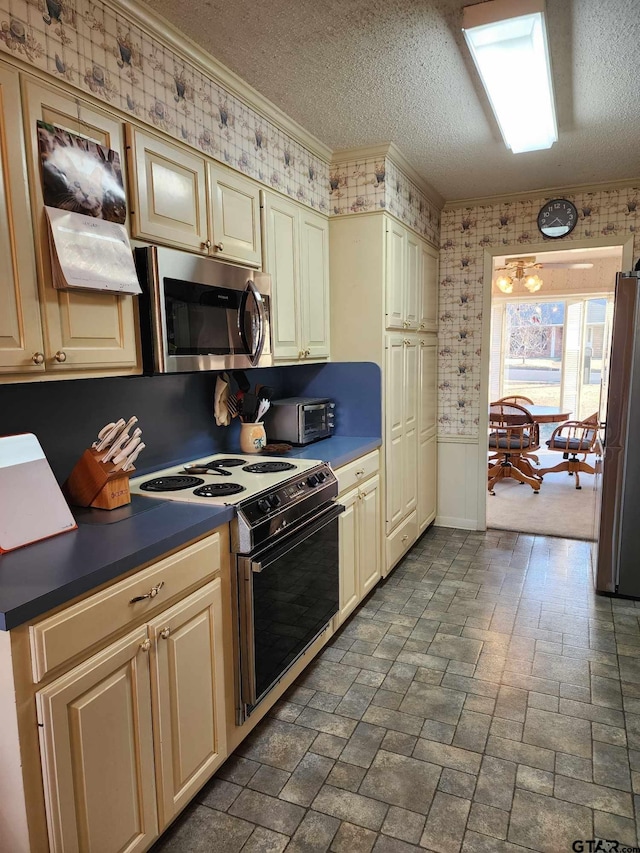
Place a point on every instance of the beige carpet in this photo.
(559, 510)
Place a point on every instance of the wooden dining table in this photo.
(547, 414)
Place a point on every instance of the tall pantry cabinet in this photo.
(384, 309)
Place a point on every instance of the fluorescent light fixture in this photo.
(508, 43)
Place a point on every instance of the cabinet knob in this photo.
(405, 537)
(307, 353)
(406, 342)
(206, 244)
(38, 358)
(422, 325)
(405, 325)
(165, 633)
(301, 353)
(422, 344)
(219, 247)
(360, 472)
(145, 645)
(60, 356)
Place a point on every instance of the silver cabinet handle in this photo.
(206, 244)
(151, 594)
(165, 633)
(219, 247)
(307, 353)
(60, 356)
(38, 358)
(301, 353)
(405, 325)
(145, 645)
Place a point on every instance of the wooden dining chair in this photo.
(516, 398)
(573, 439)
(512, 434)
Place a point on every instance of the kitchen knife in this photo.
(119, 443)
(126, 450)
(105, 429)
(128, 465)
(111, 435)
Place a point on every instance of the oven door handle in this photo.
(252, 290)
(263, 559)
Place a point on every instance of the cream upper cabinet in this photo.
(314, 284)
(168, 192)
(20, 330)
(235, 209)
(282, 262)
(396, 244)
(97, 752)
(413, 281)
(83, 330)
(428, 315)
(187, 675)
(296, 255)
(348, 541)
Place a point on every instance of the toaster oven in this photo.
(300, 420)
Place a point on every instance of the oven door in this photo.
(316, 421)
(287, 594)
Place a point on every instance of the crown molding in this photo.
(390, 151)
(545, 192)
(157, 26)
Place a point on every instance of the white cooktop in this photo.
(252, 483)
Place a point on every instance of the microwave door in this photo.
(252, 322)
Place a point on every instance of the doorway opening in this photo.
(549, 349)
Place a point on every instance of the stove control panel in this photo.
(281, 497)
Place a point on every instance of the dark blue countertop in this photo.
(39, 577)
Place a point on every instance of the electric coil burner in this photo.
(170, 484)
(228, 463)
(218, 490)
(268, 467)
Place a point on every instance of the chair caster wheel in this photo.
(534, 492)
(578, 487)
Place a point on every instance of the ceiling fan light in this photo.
(533, 283)
(504, 283)
(508, 43)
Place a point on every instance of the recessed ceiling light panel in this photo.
(508, 43)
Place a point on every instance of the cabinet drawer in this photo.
(64, 635)
(357, 471)
(402, 538)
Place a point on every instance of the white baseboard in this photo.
(460, 523)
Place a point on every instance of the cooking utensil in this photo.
(241, 378)
(232, 405)
(263, 408)
(249, 407)
(111, 435)
(265, 392)
(206, 469)
(128, 462)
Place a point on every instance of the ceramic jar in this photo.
(252, 437)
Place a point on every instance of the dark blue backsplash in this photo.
(176, 411)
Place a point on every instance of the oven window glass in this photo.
(201, 320)
(315, 420)
(293, 599)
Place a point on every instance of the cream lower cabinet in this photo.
(83, 330)
(360, 544)
(297, 258)
(130, 735)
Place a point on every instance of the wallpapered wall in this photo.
(359, 186)
(465, 234)
(98, 50)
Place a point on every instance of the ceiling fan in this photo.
(520, 269)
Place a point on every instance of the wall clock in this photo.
(557, 218)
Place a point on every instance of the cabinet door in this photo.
(97, 752)
(396, 240)
(348, 539)
(236, 217)
(427, 479)
(314, 284)
(370, 564)
(428, 319)
(20, 330)
(427, 385)
(188, 697)
(410, 426)
(169, 192)
(413, 281)
(282, 262)
(82, 329)
(394, 429)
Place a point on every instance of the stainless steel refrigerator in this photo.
(617, 554)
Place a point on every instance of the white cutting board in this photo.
(32, 506)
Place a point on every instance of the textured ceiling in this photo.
(361, 72)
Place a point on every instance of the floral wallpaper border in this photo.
(97, 49)
(465, 234)
(359, 186)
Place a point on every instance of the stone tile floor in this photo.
(482, 699)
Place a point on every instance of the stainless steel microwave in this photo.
(300, 420)
(200, 313)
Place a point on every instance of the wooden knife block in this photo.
(91, 483)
